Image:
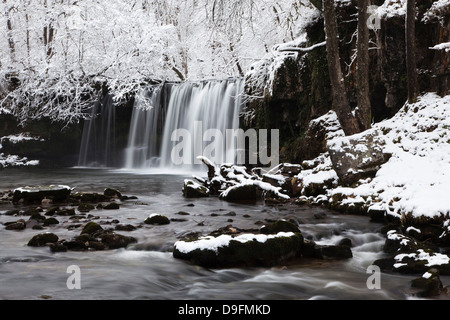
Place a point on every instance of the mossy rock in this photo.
(50, 221)
(91, 228)
(43, 239)
(157, 219)
(112, 206)
(112, 193)
(85, 207)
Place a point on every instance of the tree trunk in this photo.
(9, 29)
(339, 94)
(363, 113)
(413, 86)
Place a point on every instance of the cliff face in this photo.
(297, 87)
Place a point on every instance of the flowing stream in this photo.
(147, 270)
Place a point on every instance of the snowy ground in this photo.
(416, 179)
(14, 160)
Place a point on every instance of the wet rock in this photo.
(50, 221)
(111, 206)
(332, 252)
(57, 247)
(157, 219)
(241, 250)
(13, 212)
(91, 228)
(85, 207)
(241, 192)
(279, 226)
(429, 284)
(127, 227)
(52, 211)
(37, 216)
(116, 241)
(18, 225)
(43, 239)
(112, 193)
(89, 197)
(345, 242)
(192, 189)
(75, 245)
(37, 194)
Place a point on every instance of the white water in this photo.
(192, 109)
(98, 139)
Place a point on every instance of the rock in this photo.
(37, 194)
(43, 239)
(240, 192)
(18, 225)
(248, 250)
(279, 226)
(429, 284)
(345, 242)
(116, 241)
(192, 189)
(91, 228)
(357, 157)
(127, 227)
(57, 247)
(85, 207)
(50, 221)
(111, 206)
(112, 193)
(157, 219)
(332, 252)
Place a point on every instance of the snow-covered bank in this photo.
(7, 160)
(415, 180)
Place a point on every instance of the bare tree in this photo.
(363, 112)
(9, 31)
(410, 36)
(338, 91)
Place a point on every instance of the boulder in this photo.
(192, 189)
(91, 228)
(112, 193)
(240, 192)
(157, 219)
(116, 241)
(429, 284)
(246, 249)
(56, 193)
(43, 239)
(357, 157)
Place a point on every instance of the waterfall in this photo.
(98, 139)
(193, 108)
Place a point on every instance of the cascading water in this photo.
(98, 143)
(194, 108)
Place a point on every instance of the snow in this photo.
(416, 179)
(214, 243)
(44, 188)
(392, 8)
(16, 161)
(18, 138)
(433, 259)
(442, 46)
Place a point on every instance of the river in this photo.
(147, 270)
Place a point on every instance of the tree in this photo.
(410, 36)
(338, 91)
(363, 111)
